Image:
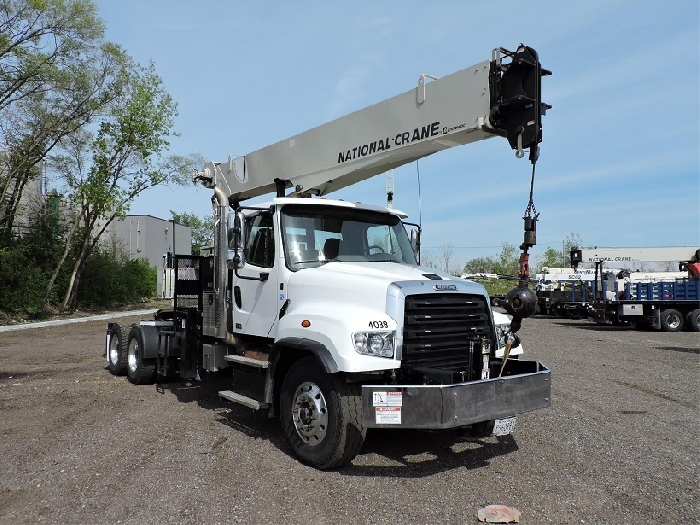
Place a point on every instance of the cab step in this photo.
(242, 400)
(249, 361)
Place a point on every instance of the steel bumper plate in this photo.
(527, 387)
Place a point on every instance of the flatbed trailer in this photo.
(666, 305)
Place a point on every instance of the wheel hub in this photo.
(113, 350)
(674, 321)
(132, 358)
(310, 413)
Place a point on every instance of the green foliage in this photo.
(202, 229)
(27, 263)
(507, 262)
(107, 281)
(498, 287)
(54, 77)
(22, 283)
(100, 123)
(553, 258)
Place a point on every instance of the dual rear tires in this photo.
(117, 337)
(125, 354)
(673, 321)
(139, 371)
(693, 320)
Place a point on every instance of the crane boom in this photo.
(487, 99)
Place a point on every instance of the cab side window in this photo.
(260, 241)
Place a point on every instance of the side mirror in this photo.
(235, 239)
(414, 237)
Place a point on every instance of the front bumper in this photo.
(525, 386)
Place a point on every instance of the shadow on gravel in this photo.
(206, 394)
(417, 454)
(14, 376)
(413, 453)
(590, 325)
(681, 349)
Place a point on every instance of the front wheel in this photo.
(671, 320)
(321, 416)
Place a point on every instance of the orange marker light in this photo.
(305, 323)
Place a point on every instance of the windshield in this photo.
(315, 235)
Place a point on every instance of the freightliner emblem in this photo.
(444, 287)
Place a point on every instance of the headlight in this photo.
(501, 331)
(380, 344)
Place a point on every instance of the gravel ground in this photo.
(78, 445)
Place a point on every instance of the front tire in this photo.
(117, 349)
(321, 416)
(139, 371)
(671, 320)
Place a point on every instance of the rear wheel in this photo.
(321, 416)
(117, 348)
(671, 320)
(694, 320)
(140, 371)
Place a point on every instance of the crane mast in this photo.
(487, 99)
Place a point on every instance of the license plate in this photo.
(503, 427)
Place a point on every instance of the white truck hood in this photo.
(364, 283)
(339, 298)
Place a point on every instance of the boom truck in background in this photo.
(565, 292)
(667, 301)
(320, 308)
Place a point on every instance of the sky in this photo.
(619, 162)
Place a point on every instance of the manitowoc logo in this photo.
(444, 287)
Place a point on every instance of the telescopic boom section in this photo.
(487, 99)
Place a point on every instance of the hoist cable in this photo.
(530, 210)
(420, 213)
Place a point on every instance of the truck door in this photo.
(255, 288)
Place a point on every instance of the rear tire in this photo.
(321, 416)
(139, 371)
(117, 349)
(671, 320)
(693, 320)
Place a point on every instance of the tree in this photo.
(446, 256)
(55, 74)
(506, 263)
(428, 259)
(202, 229)
(552, 258)
(120, 161)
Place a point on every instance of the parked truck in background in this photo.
(319, 307)
(668, 301)
(565, 292)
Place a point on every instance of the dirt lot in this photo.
(78, 445)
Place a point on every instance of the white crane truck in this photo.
(320, 307)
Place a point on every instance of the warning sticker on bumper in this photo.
(387, 399)
(388, 415)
